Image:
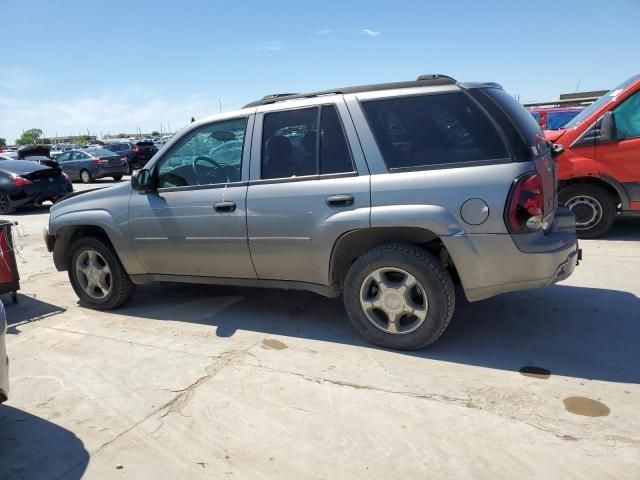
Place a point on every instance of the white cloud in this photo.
(115, 111)
(324, 31)
(371, 33)
(271, 45)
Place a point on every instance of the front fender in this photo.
(65, 225)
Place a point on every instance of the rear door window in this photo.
(431, 130)
(292, 145)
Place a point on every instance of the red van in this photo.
(599, 160)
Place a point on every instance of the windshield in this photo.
(609, 96)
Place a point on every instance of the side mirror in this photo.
(608, 131)
(142, 180)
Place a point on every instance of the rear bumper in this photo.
(32, 194)
(110, 171)
(489, 265)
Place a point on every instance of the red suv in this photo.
(599, 160)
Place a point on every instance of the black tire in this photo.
(117, 178)
(434, 279)
(5, 203)
(586, 200)
(85, 176)
(122, 288)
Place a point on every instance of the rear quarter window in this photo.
(526, 125)
(430, 130)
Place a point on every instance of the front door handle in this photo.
(225, 207)
(340, 200)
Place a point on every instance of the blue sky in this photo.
(112, 66)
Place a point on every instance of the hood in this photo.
(21, 167)
(35, 150)
(90, 199)
(554, 135)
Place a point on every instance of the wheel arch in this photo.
(351, 245)
(609, 184)
(67, 228)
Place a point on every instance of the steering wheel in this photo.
(205, 175)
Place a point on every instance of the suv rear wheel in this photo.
(399, 296)
(97, 276)
(593, 207)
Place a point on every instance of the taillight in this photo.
(136, 148)
(124, 160)
(101, 161)
(525, 208)
(19, 181)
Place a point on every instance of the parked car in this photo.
(93, 163)
(4, 359)
(137, 153)
(599, 168)
(381, 193)
(37, 153)
(554, 118)
(25, 183)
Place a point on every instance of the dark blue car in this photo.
(92, 163)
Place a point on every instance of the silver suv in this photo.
(386, 194)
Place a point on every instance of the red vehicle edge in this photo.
(599, 163)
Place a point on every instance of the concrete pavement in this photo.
(220, 382)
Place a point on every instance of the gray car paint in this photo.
(290, 232)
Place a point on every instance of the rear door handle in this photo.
(225, 207)
(340, 200)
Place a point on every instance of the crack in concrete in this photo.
(176, 404)
(342, 383)
(465, 403)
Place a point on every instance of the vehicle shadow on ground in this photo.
(34, 448)
(576, 332)
(625, 229)
(27, 310)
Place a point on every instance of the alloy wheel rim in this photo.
(394, 301)
(85, 176)
(93, 274)
(4, 202)
(587, 210)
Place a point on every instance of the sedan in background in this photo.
(93, 163)
(4, 360)
(25, 183)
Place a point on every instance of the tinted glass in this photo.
(627, 116)
(63, 158)
(520, 116)
(429, 130)
(101, 152)
(289, 143)
(210, 154)
(335, 156)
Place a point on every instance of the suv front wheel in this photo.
(399, 296)
(97, 275)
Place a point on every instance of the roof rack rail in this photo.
(434, 76)
(423, 80)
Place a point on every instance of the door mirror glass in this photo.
(142, 180)
(608, 128)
